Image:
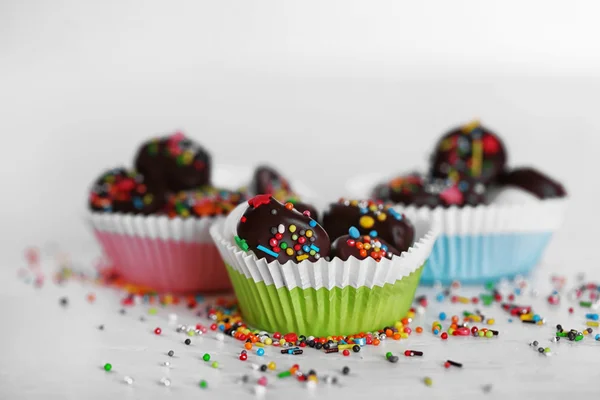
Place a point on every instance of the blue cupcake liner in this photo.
(488, 242)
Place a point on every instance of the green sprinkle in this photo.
(586, 304)
(203, 384)
(191, 333)
(489, 334)
(206, 357)
(284, 374)
(547, 350)
(428, 381)
(215, 364)
(480, 333)
(489, 286)
(283, 246)
(561, 334)
(107, 367)
(578, 338)
(241, 243)
(152, 311)
(388, 354)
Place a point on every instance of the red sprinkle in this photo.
(158, 331)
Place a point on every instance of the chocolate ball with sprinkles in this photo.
(368, 216)
(276, 231)
(409, 190)
(362, 246)
(123, 191)
(468, 155)
(207, 201)
(268, 181)
(175, 161)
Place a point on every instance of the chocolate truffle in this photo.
(361, 247)
(275, 231)
(534, 182)
(268, 181)
(369, 217)
(203, 202)
(122, 191)
(417, 191)
(409, 190)
(176, 162)
(468, 155)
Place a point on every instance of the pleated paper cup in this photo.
(325, 297)
(483, 243)
(170, 255)
(165, 254)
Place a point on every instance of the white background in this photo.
(322, 89)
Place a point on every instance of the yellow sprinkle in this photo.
(474, 318)
(188, 157)
(446, 145)
(185, 213)
(302, 257)
(526, 317)
(367, 246)
(281, 342)
(289, 251)
(258, 344)
(312, 378)
(382, 216)
(398, 325)
(476, 157)
(268, 341)
(148, 198)
(471, 126)
(345, 346)
(491, 321)
(292, 228)
(404, 335)
(354, 203)
(309, 233)
(464, 300)
(592, 323)
(272, 365)
(366, 221)
(410, 314)
(454, 176)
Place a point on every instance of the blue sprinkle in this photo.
(269, 252)
(384, 247)
(435, 331)
(353, 232)
(536, 318)
(442, 316)
(510, 320)
(518, 292)
(395, 214)
(360, 341)
(222, 328)
(260, 352)
(597, 337)
(463, 186)
(363, 210)
(440, 297)
(373, 234)
(305, 248)
(312, 223)
(343, 342)
(138, 203)
(315, 248)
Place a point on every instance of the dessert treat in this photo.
(175, 162)
(360, 247)
(468, 155)
(532, 182)
(275, 231)
(494, 223)
(203, 202)
(368, 216)
(322, 295)
(417, 191)
(121, 191)
(268, 181)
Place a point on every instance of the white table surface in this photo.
(54, 352)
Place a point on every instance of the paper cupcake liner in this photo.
(325, 297)
(168, 255)
(486, 242)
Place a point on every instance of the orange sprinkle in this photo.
(248, 346)
(397, 336)
(376, 342)
(388, 332)
(419, 329)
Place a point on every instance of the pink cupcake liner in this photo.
(166, 255)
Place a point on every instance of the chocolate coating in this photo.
(302, 207)
(175, 162)
(207, 201)
(123, 191)
(368, 216)
(278, 232)
(345, 247)
(468, 155)
(534, 182)
(268, 181)
(415, 190)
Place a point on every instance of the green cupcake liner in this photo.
(323, 312)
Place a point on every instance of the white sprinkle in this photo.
(128, 380)
(281, 228)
